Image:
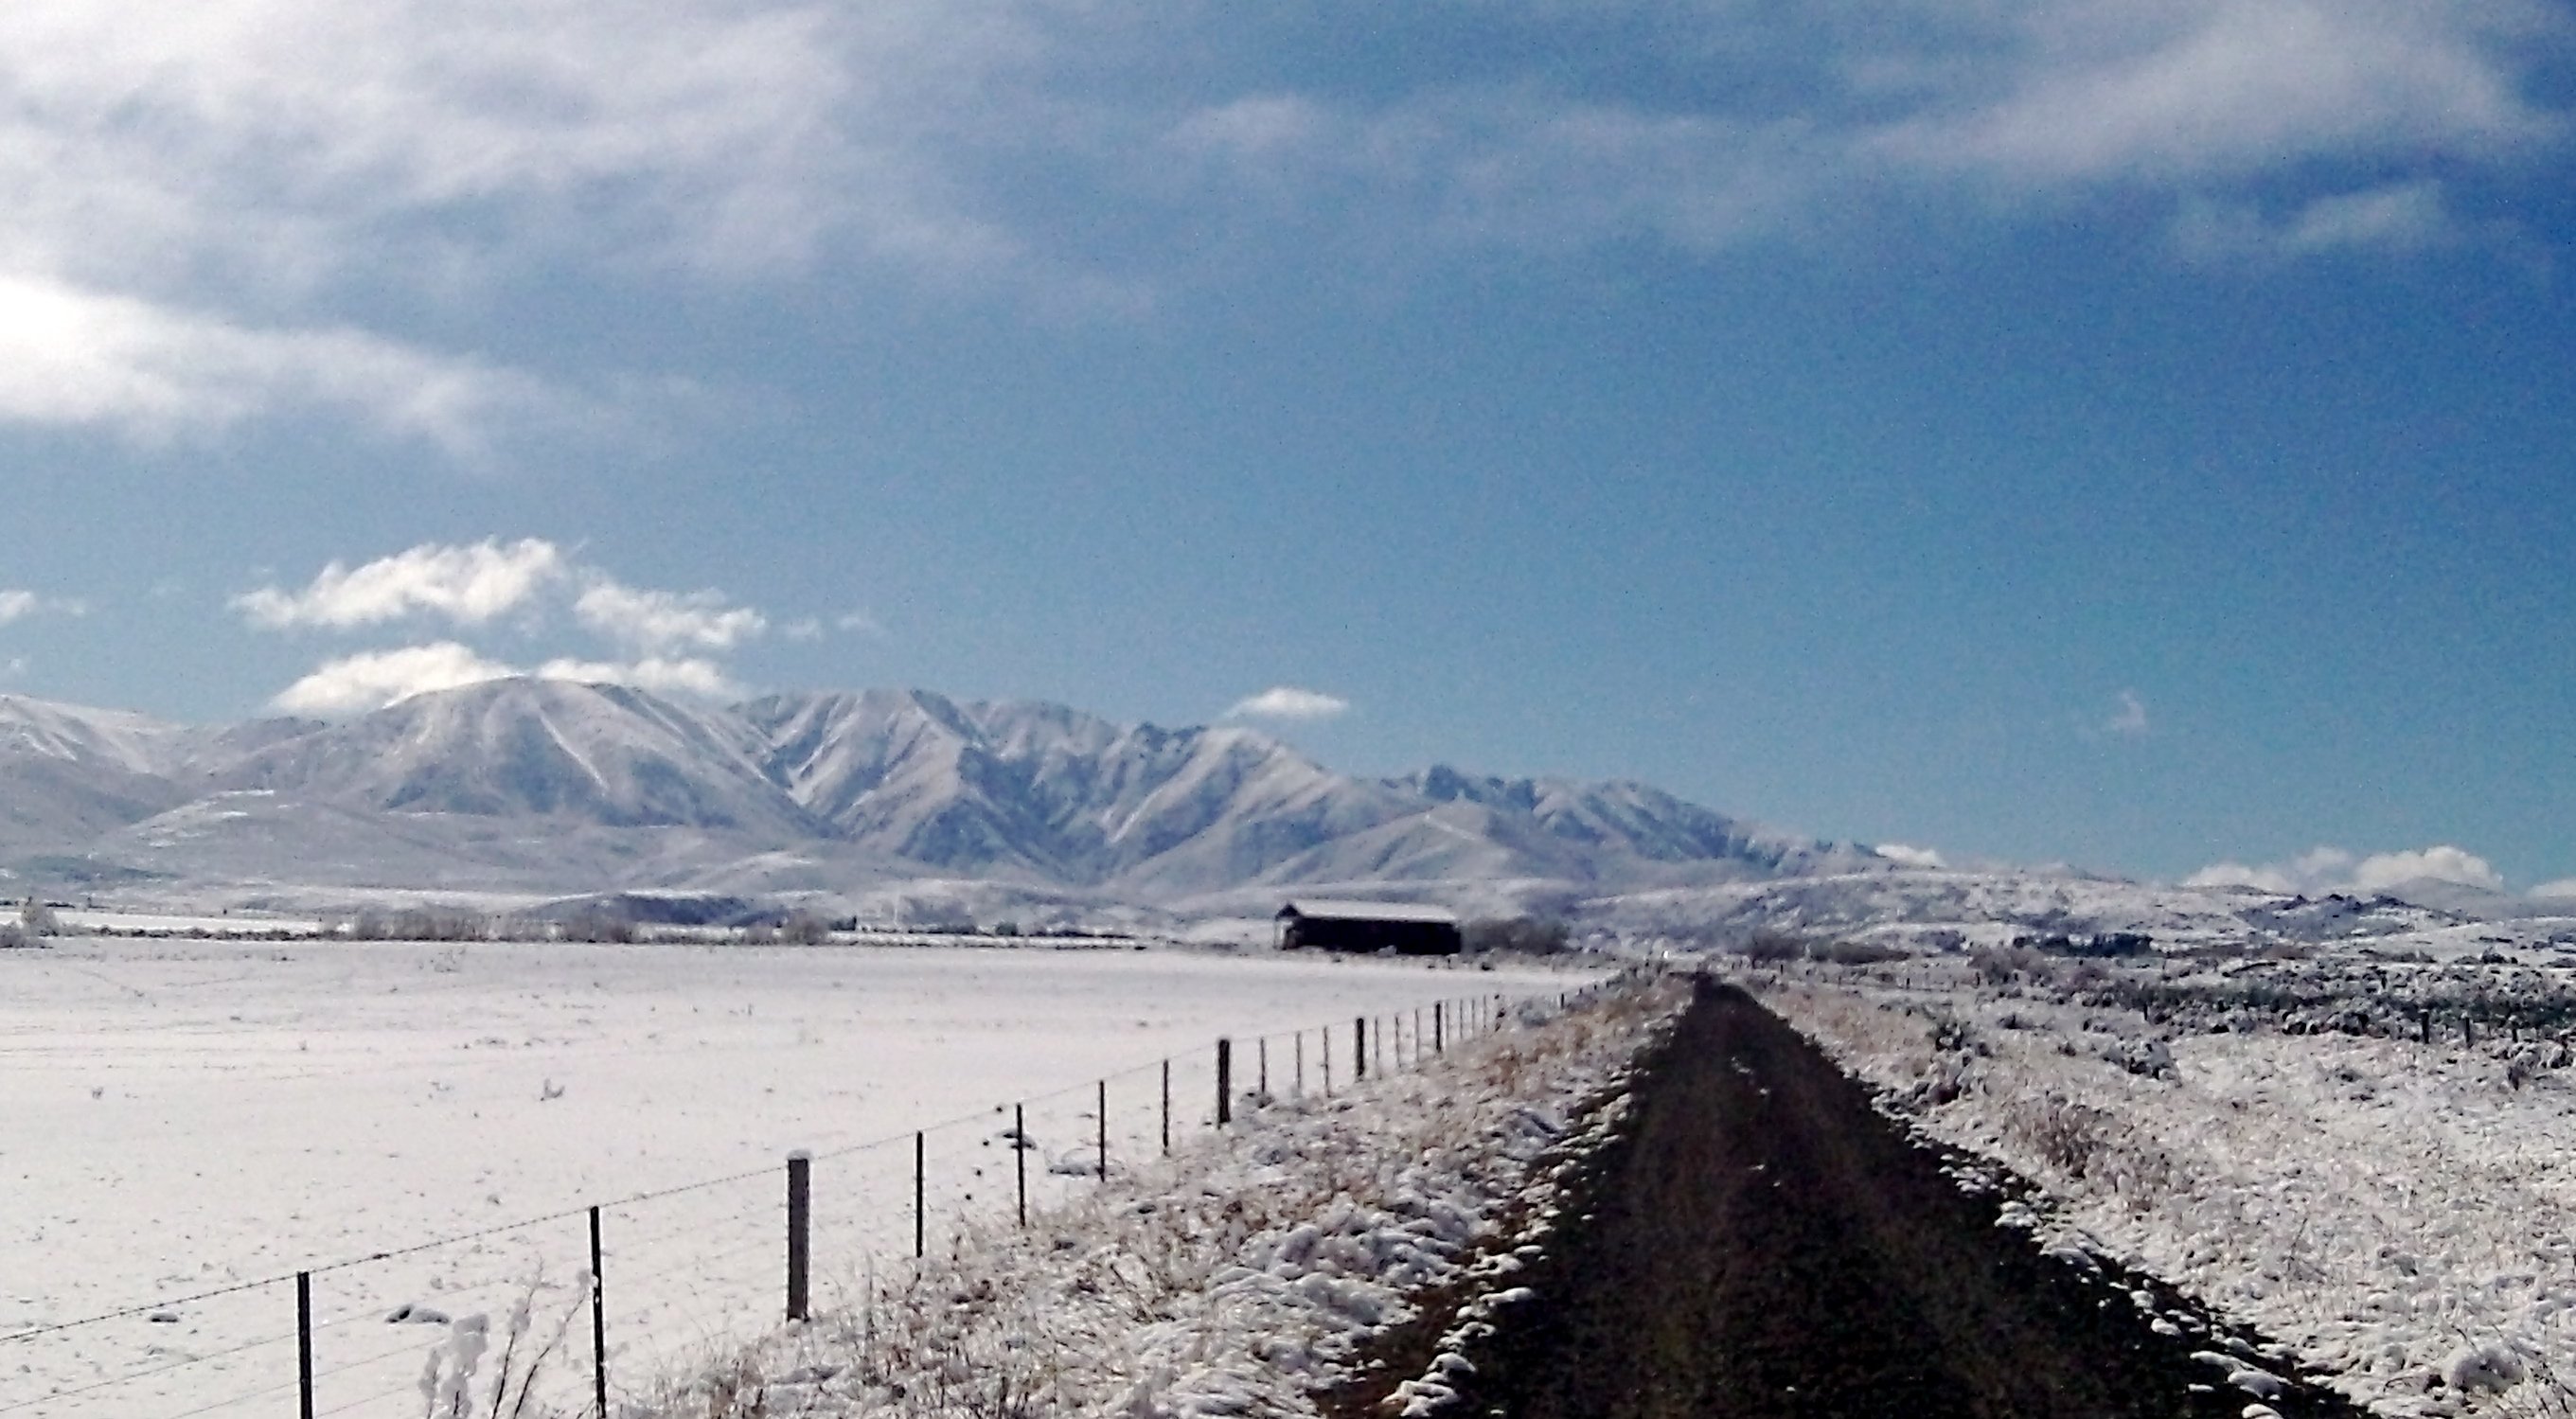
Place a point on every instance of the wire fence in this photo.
(607, 1304)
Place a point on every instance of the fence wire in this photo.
(685, 1275)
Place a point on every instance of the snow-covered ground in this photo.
(185, 1121)
(2372, 1159)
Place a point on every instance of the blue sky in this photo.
(2133, 434)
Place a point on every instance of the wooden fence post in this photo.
(1359, 1048)
(1439, 1026)
(800, 1166)
(920, 1196)
(1167, 1107)
(1020, 1155)
(1224, 1082)
(1103, 1117)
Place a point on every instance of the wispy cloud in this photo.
(659, 619)
(2332, 869)
(663, 675)
(2397, 219)
(78, 357)
(17, 604)
(1288, 702)
(2129, 721)
(199, 210)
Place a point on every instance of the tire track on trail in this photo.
(1759, 1240)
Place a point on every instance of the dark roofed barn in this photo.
(1401, 927)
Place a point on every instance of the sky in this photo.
(2139, 435)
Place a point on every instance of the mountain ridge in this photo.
(862, 783)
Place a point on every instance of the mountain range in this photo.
(550, 787)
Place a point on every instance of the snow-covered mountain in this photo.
(473, 784)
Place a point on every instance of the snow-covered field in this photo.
(185, 1122)
(2373, 1159)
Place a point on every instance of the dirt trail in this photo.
(1762, 1242)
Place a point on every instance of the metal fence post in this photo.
(800, 1166)
(304, 1341)
(598, 1323)
(1359, 1048)
(920, 1201)
(1102, 1116)
(1020, 1155)
(1224, 1082)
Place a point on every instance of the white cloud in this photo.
(2563, 888)
(681, 675)
(1288, 702)
(469, 585)
(18, 604)
(373, 679)
(2331, 869)
(657, 619)
(2178, 90)
(2397, 219)
(1905, 856)
(77, 357)
(2130, 721)
(2439, 864)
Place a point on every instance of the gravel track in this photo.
(1761, 1241)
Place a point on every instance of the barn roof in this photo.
(1329, 910)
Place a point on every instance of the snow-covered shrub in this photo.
(454, 1384)
(2492, 1369)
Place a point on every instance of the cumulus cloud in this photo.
(2332, 869)
(373, 679)
(1905, 856)
(531, 582)
(469, 585)
(1288, 702)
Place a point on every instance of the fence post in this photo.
(304, 1341)
(598, 1323)
(800, 1166)
(1439, 1027)
(1167, 1108)
(1020, 1155)
(1359, 1047)
(1301, 1063)
(1326, 1054)
(920, 1196)
(1261, 1050)
(1102, 1115)
(1224, 1081)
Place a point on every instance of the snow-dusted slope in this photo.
(601, 754)
(806, 788)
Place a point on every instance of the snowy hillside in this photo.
(536, 787)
